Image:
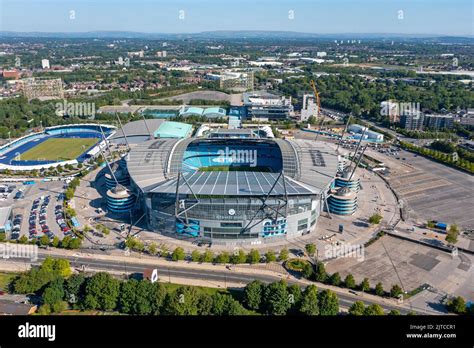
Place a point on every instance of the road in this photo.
(173, 270)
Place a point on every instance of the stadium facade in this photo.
(233, 190)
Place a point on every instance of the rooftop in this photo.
(233, 183)
(171, 129)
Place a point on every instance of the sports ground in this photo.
(54, 149)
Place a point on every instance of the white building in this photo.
(45, 63)
(310, 107)
(321, 54)
(368, 135)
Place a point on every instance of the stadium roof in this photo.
(309, 167)
(214, 112)
(135, 128)
(192, 111)
(234, 183)
(171, 129)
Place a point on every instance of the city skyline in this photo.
(418, 17)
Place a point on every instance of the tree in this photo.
(219, 304)
(284, 254)
(142, 305)
(328, 303)
(183, 301)
(320, 272)
(38, 277)
(223, 257)
(153, 249)
(127, 295)
(294, 295)
(44, 240)
(44, 310)
(375, 219)
(394, 312)
(239, 257)
(163, 250)
(134, 243)
(270, 256)
(276, 298)
(157, 295)
(379, 291)
(195, 256)
(59, 267)
(452, 234)
(74, 288)
(178, 254)
(335, 279)
(364, 285)
(253, 256)
(204, 305)
(349, 281)
(310, 249)
(396, 291)
(208, 256)
(457, 305)
(309, 302)
(23, 239)
(53, 293)
(253, 292)
(55, 242)
(374, 309)
(307, 270)
(74, 243)
(102, 291)
(357, 308)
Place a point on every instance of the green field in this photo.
(59, 149)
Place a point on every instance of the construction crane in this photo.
(316, 95)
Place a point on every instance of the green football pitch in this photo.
(59, 149)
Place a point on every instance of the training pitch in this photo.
(55, 149)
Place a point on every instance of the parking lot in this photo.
(34, 209)
(431, 190)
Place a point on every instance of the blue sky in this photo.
(448, 17)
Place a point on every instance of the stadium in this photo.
(231, 187)
(59, 145)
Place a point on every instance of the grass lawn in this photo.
(59, 149)
(5, 279)
(201, 289)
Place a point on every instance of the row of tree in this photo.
(58, 290)
(179, 254)
(318, 273)
(439, 156)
